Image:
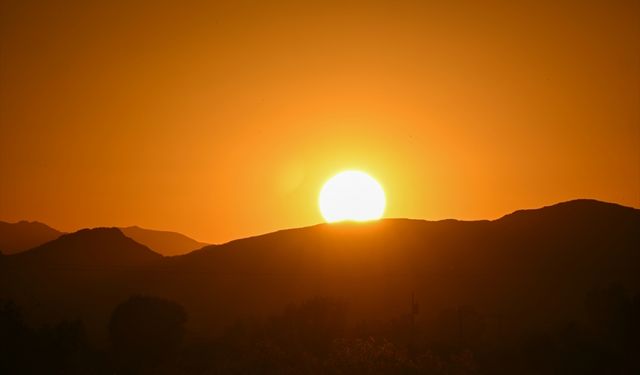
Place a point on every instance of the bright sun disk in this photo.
(352, 195)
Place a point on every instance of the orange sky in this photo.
(223, 120)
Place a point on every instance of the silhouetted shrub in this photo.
(368, 356)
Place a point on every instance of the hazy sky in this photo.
(223, 119)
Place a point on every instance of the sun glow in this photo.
(352, 195)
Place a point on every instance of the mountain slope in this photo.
(101, 247)
(531, 267)
(80, 274)
(534, 265)
(24, 235)
(163, 242)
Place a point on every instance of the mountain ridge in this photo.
(99, 246)
(456, 254)
(167, 243)
(536, 265)
(24, 235)
(573, 203)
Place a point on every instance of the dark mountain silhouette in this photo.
(24, 235)
(528, 269)
(509, 267)
(163, 242)
(98, 247)
(79, 274)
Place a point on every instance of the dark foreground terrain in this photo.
(547, 291)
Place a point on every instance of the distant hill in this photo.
(532, 267)
(98, 247)
(79, 274)
(163, 242)
(24, 235)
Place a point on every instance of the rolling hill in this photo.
(24, 235)
(529, 268)
(98, 247)
(79, 274)
(163, 242)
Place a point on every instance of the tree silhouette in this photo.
(144, 332)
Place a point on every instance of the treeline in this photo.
(147, 335)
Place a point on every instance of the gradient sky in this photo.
(223, 119)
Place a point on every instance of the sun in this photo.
(352, 195)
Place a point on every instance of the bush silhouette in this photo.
(145, 331)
